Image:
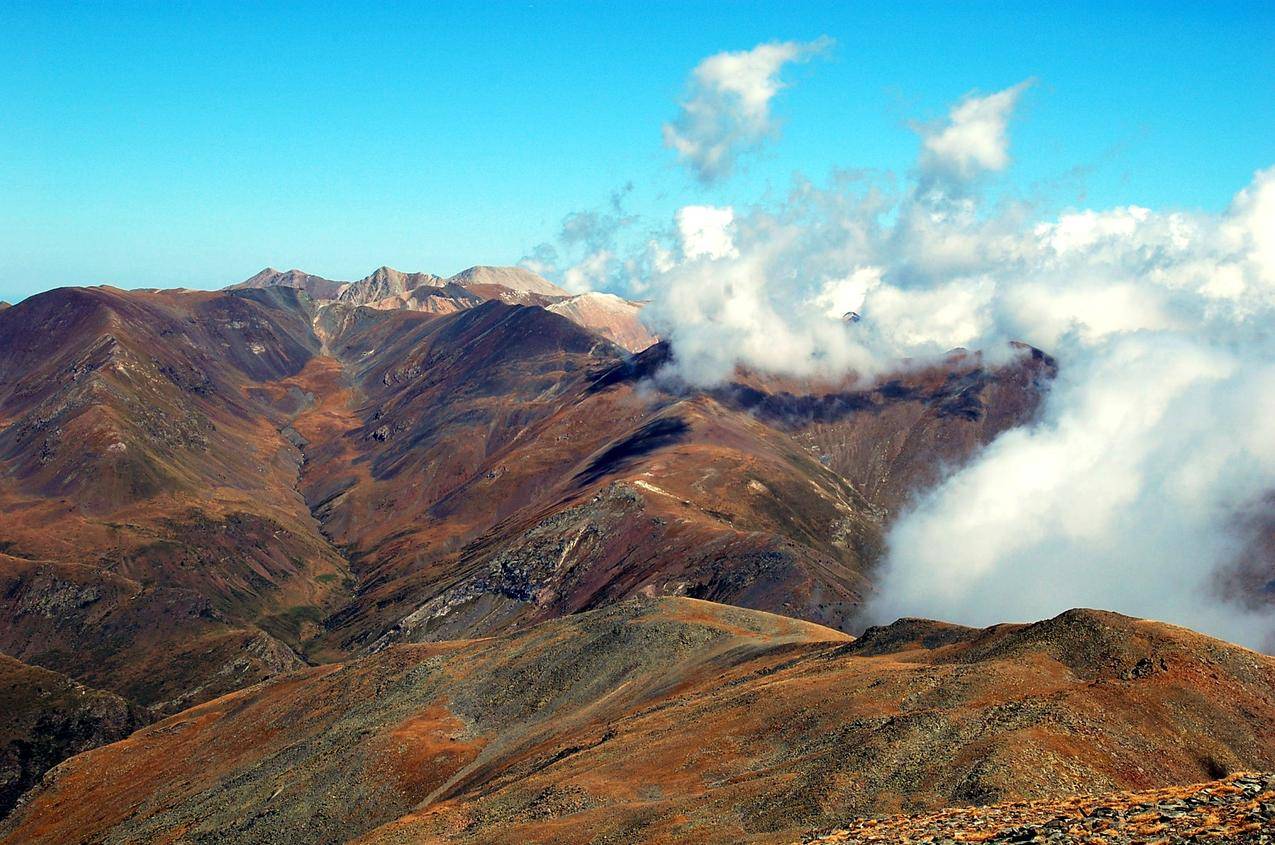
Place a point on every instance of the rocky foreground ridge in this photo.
(1237, 809)
(45, 718)
(673, 720)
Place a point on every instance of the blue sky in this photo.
(193, 144)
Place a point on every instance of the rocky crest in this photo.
(388, 289)
(1240, 809)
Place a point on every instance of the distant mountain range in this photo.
(386, 288)
(426, 559)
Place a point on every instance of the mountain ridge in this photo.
(736, 723)
(387, 288)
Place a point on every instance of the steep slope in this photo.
(674, 720)
(204, 489)
(45, 718)
(900, 435)
(498, 479)
(154, 542)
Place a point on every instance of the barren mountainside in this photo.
(447, 549)
(674, 720)
(247, 481)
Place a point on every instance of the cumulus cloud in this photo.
(974, 138)
(1123, 496)
(1158, 438)
(727, 108)
(704, 231)
(774, 289)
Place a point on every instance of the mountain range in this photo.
(423, 559)
(614, 318)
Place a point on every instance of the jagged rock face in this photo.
(45, 718)
(660, 720)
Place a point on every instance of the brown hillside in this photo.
(673, 720)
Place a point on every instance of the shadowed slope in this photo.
(671, 720)
(45, 718)
(492, 485)
(900, 436)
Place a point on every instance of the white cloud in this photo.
(841, 297)
(704, 231)
(973, 139)
(1137, 488)
(590, 273)
(1124, 496)
(585, 255)
(1251, 226)
(727, 108)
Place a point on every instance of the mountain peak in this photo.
(386, 283)
(514, 278)
(316, 287)
(385, 272)
(262, 278)
(615, 318)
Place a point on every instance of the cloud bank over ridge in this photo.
(1144, 484)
